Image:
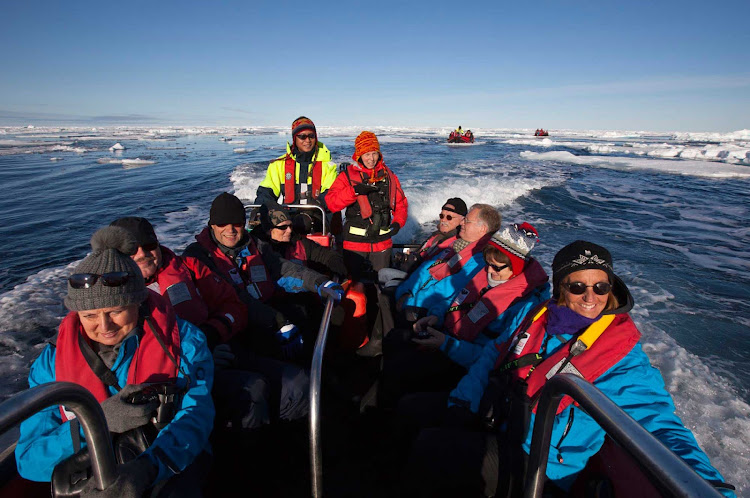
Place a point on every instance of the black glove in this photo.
(122, 415)
(336, 264)
(133, 478)
(395, 227)
(460, 417)
(364, 189)
(224, 357)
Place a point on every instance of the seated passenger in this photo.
(588, 298)
(298, 248)
(493, 301)
(376, 207)
(204, 299)
(116, 325)
(253, 268)
(439, 278)
(451, 215)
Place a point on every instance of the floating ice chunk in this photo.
(55, 158)
(137, 162)
(241, 150)
(109, 160)
(225, 139)
(117, 146)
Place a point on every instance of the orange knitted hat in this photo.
(364, 143)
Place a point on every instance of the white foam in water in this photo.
(683, 167)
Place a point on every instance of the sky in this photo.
(636, 65)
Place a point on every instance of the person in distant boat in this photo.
(254, 269)
(496, 299)
(117, 337)
(303, 174)
(376, 207)
(590, 306)
(205, 299)
(459, 131)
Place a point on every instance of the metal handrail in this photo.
(668, 470)
(86, 408)
(249, 207)
(316, 372)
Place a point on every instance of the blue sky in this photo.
(665, 65)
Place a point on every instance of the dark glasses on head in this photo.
(235, 225)
(496, 267)
(578, 288)
(283, 227)
(86, 280)
(150, 247)
(309, 136)
(447, 216)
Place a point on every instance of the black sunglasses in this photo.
(86, 280)
(150, 247)
(447, 216)
(496, 267)
(283, 227)
(310, 136)
(578, 288)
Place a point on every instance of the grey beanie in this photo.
(111, 251)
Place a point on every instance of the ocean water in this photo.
(672, 209)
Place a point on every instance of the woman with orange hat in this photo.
(376, 207)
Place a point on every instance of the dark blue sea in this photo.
(673, 210)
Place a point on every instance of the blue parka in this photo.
(632, 383)
(435, 295)
(45, 440)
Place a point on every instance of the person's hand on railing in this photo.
(331, 289)
(133, 479)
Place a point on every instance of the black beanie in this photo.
(227, 209)
(141, 228)
(456, 205)
(579, 255)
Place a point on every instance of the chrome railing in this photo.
(86, 408)
(668, 471)
(316, 372)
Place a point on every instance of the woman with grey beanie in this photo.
(117, 337)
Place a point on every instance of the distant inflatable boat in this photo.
(461, 138)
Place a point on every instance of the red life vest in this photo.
(617, 340)
(434, 244)
(450, 263)
(149, 364)
(357, 174)
(476, 305)
(290, 177)
(252, 273)
(175, 281)
(297, 252)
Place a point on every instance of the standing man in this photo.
(303, 174)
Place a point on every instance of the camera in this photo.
(166, 393)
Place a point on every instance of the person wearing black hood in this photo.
(254, 268)
(590, 306)
(298, 248)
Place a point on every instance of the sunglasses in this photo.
(150, 247)
(309, 136)
(496, 267)
(235, 225)
(447, 216)
(283, 227)
(578, 288)
(86, 280)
